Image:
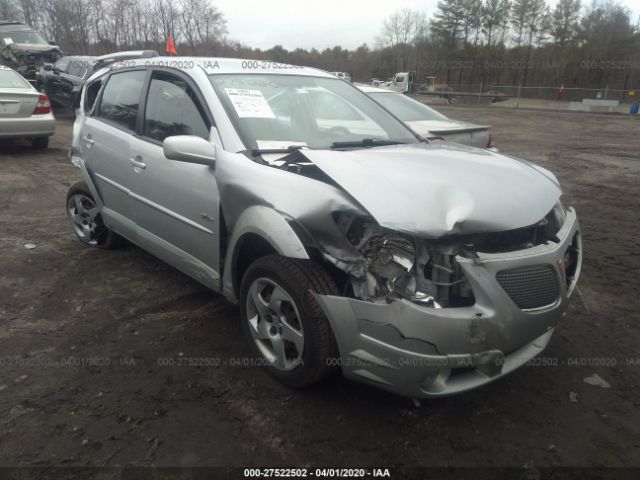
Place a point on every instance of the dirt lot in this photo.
(83, 332)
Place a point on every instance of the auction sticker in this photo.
(249, 103)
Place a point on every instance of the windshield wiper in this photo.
(365, 142)
(267, 151)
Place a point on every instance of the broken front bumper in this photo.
(421, 351)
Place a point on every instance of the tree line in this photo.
(93, 27)
(464, 43)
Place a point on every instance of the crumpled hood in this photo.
(31, 48)
(438, 189)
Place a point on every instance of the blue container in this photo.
(634, 108)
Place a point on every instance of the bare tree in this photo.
(401, 30)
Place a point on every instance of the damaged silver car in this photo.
(423, 268)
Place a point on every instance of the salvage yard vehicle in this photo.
(425, 121)
(423, 268)
(24, 112)
(24, 50)
(342, 75)
(63, 80)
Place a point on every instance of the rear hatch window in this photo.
(11, 79)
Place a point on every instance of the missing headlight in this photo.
(398, 266)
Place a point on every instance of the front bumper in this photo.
(25, 127)
(421, 351)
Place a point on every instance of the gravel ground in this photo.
(84, 334)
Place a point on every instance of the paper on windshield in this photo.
(273, 144)
(8, 41)
(249, 103)
(275, 158)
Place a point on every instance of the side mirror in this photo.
(190, 149)
(47, 67)
(52, 43)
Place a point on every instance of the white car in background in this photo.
(427, 122)
(24, 111)
(342, 75)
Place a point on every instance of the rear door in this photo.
(177, 203)
(105, 140)
(17, 98)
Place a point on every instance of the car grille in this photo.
(533, 286)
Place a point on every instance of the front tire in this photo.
(86, 220)
(284, 324)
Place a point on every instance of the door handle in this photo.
(137, 162)
(89, 140)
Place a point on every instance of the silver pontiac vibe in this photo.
(423, 268)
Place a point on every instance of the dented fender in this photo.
(269, 225)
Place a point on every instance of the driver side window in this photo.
(172, 108)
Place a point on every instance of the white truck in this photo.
(403, 82)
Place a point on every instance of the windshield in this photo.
(10, 79)
(31, 38)
(405, 108)
(278, 111)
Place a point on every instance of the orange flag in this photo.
(171, 47)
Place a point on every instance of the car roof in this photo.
(80, 57)
(15, 27)
(128, 54)
(370, 89)
(218, 65)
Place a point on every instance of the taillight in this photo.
(490, 143)
(44, 105)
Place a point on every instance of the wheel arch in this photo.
(259, 231)
(88, 179)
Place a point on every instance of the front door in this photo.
(177, 203)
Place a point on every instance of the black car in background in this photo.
(62, 82)
(24, 50)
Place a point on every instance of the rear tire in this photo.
(86, 220)
(285, 326)
(40, 142)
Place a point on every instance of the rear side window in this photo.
(121, 98)
(405, 108)
(77, 68)
(172, 108)
(61, 65)
(91, 94)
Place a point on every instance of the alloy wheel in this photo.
(275, 324)
(84, 217)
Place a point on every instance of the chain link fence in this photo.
(558, 93)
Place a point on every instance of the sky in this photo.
(321, 23)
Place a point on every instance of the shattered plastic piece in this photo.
(30, 246)
(597, 381)
(573, 397)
